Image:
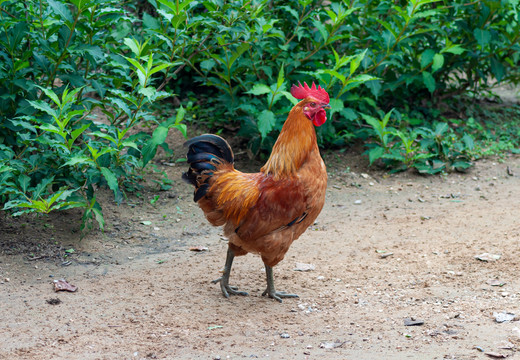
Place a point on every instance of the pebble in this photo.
(357, 202)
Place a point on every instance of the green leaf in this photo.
(259, 89)
(51, 94)
(266, 122)
(321, 29)
(207, 64)
(336, 105)
(133, 45)
(149, 92)
(78, 159)
(74, 135)
(281, 77)
(150, 148)
(454, 49)
(427, 58)
(375, 153)
(62, 10)
(43, 106)
(240, 50)
(289, 97)
(497, 69)
(429, 81)
(334, 73)
(111, 179)
(356, 61)
(482, 36)
(180, 115)
(438, 61)
(137, 65)
(23, 182)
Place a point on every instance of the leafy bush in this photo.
(71, 96)
(373, 56)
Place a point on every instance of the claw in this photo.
(228, 289)
(270, 290)
(224, 279)
(279, 295)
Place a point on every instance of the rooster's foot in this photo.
(270, 290)
(228, 289)
(278, 295)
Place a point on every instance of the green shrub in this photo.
(74, 84)
(372, 56)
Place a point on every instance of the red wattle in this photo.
(320, 118)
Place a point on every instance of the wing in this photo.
(255, 204)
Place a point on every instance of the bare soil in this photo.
(143, 294)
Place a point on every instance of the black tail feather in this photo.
(205, 152)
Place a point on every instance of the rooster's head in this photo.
(315, 100)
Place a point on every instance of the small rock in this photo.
(515, 336)
(385, 255)
(495, 282)
(198, 248)
(510, 172)
(357, 202)
(331, 345)
(487, 257)
(413, 322)
(503, 316)
(285, 336)
(304, 267)
(365, 176)
(336, 187)
(495, 355)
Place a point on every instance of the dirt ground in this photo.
(384, 249)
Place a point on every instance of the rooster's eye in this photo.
(313, 104)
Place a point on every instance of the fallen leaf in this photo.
(304, 267)
(487, 257)
(198, 248)
(63, 285)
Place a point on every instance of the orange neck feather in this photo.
(296, 140)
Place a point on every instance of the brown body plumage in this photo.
(264, 212)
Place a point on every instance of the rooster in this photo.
(264, 212)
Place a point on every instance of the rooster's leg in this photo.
(270, 291)
(224, 279)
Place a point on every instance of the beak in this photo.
(326, 106)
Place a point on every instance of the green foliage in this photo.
(74, 83)
(371, 56)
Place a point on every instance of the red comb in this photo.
(301, 92)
